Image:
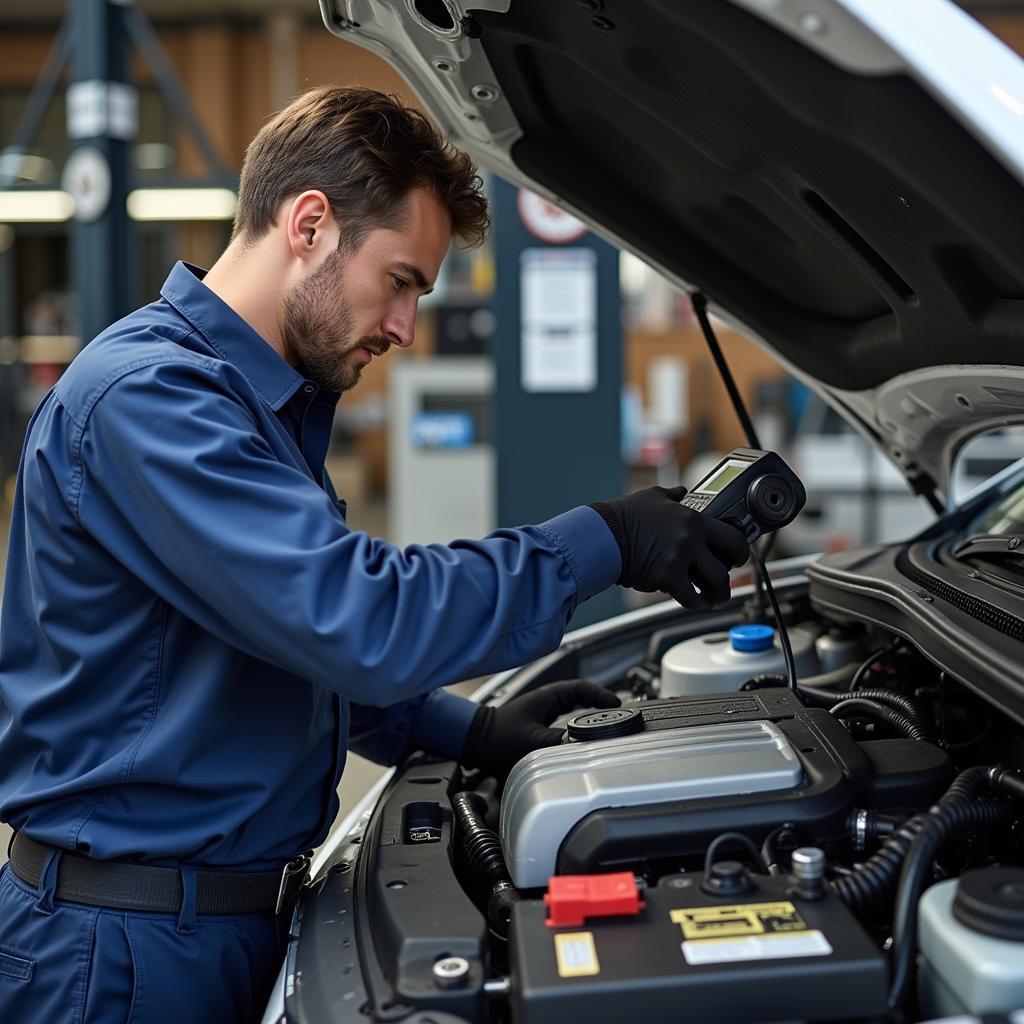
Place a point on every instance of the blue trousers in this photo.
(64, 963)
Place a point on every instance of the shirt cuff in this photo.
(441, 726)
(590, 549)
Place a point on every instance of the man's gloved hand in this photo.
(668, 547)
(498, 737)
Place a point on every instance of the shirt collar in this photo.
(226, 332)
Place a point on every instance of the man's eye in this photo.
(400, 282)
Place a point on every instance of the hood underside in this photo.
(843, 185)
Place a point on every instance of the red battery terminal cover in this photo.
(571, 899)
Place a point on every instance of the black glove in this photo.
(666, 546)
(498, 737)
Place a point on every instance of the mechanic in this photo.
(193, 636)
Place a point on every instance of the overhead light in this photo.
(24, 205)
(28, 205)
(182, 204)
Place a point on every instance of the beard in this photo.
(317, 330)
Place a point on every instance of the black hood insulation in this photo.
(848, 219)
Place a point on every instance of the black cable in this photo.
(757, 613)
(865, 665)
(769, 850)
(742, 840)
(787, 647)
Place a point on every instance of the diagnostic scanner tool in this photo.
(752, 490)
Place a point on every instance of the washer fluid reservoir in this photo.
(723, 662)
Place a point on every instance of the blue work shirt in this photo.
(192, 636)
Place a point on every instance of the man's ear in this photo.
(310, 225)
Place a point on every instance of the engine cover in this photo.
(553, 788)
(700, 766)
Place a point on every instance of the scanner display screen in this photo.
(722, 476)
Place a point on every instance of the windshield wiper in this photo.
(991, 545)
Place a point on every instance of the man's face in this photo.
(356, 305)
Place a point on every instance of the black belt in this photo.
(121, 886)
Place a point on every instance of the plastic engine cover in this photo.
(552, 789)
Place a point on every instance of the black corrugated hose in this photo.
(819, 696)
(861, 707)
(481, 849)
(905, 705)
(957, 811)
(869, 888)
(480, 845)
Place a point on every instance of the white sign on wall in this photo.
(558, 313)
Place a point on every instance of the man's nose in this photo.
(400, 326)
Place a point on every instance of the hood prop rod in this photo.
(762, 582)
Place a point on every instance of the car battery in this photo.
(758, 955)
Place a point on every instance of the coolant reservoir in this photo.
(972, 940)
(723, 662)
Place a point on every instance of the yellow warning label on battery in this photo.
(740, 919)
(576, 955)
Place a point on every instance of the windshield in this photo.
(1005, 518)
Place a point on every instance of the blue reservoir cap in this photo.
(752, 638)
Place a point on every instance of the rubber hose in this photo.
(499, 907)
(909, 727)
(869, 827)
(839, 678)
(869, 888)
(765, 681)
(1009, 780)
(957, 811)
(904, 705)
(885, 825)
(818, 697)
(890, 717)
(480, 845)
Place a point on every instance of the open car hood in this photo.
(843, 179)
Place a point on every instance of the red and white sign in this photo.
(546, 221)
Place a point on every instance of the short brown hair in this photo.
(365, 151)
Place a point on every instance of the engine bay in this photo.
(720, 843)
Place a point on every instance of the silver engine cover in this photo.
(550, 790)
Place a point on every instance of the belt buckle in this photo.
(293, 877)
